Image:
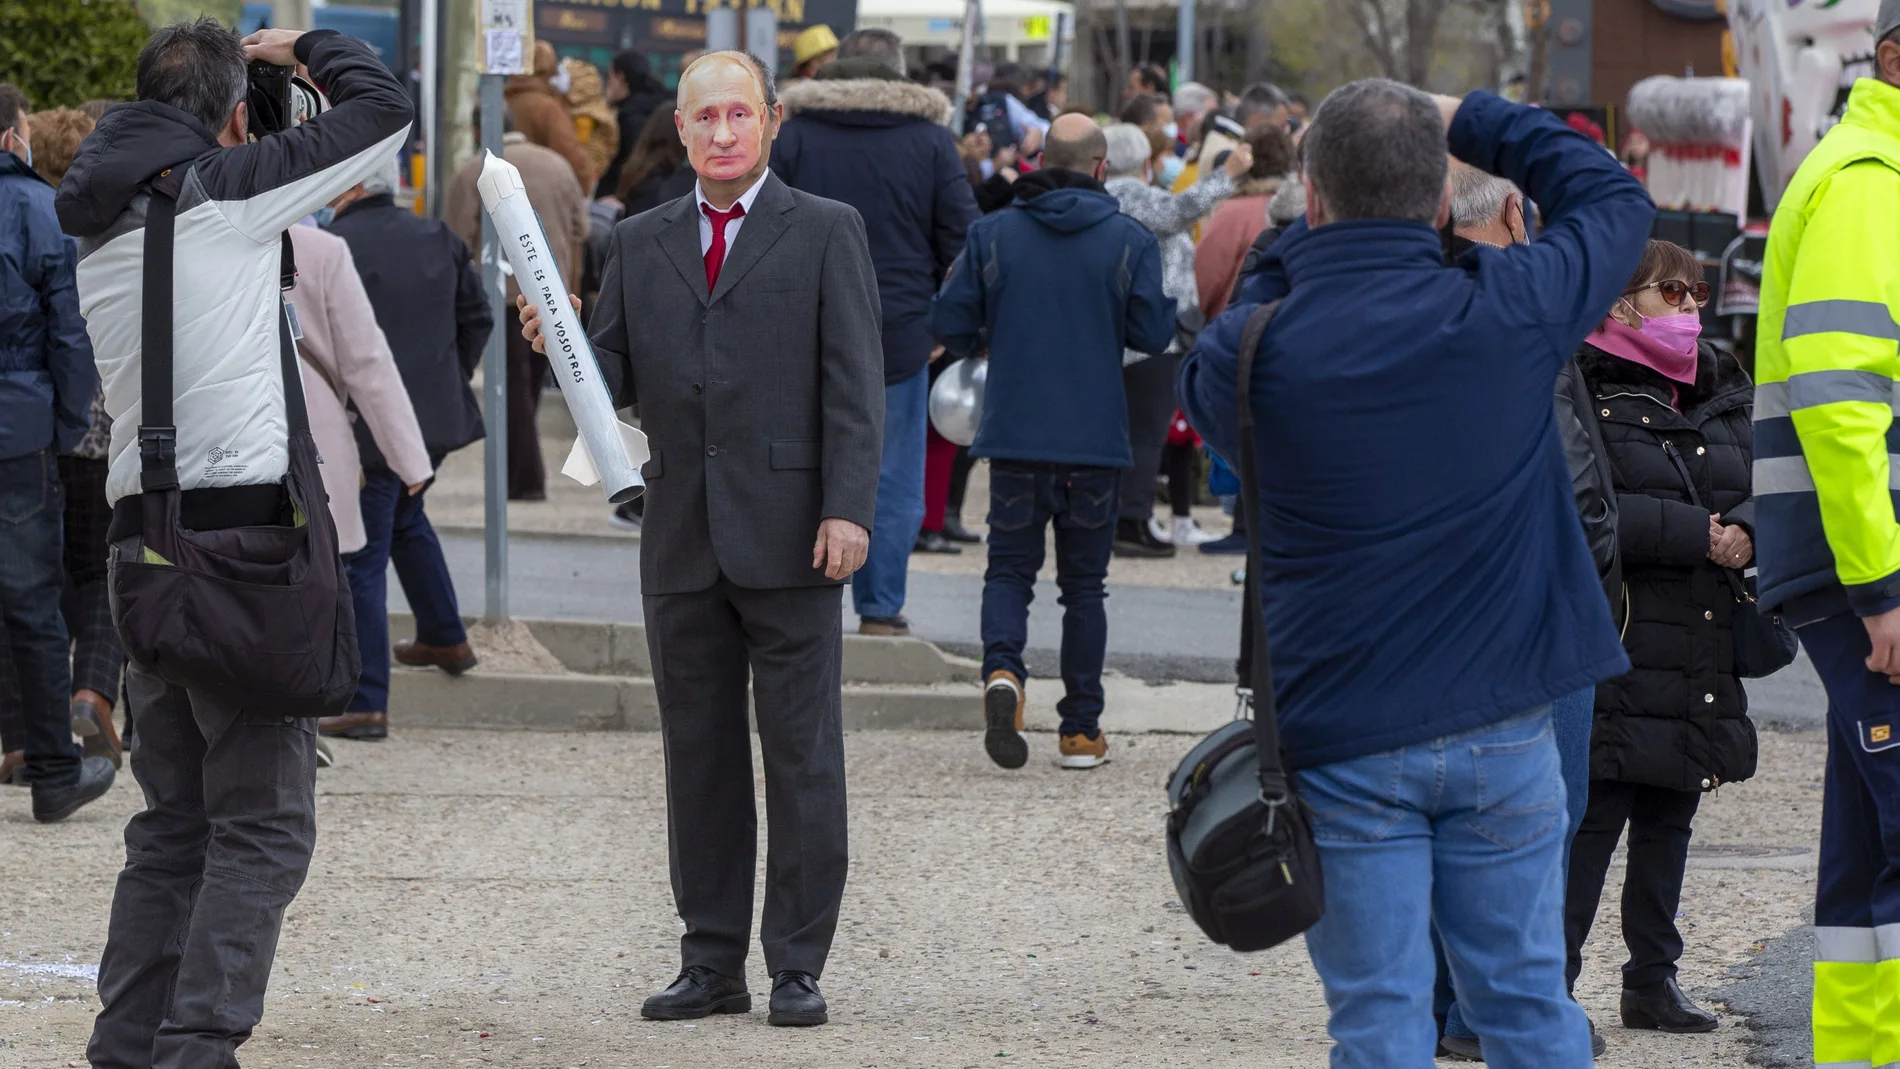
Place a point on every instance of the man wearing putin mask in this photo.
(742, 321)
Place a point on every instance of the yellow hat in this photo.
(813, 41)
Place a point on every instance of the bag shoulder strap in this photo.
(1273, 776)
(158, 435)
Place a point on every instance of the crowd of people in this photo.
(1492, 656)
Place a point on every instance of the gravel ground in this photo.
(502, 899)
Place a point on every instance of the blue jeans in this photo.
(1024, 499)
(1465, 832)
(878, 588)
(1571, 717)
(398, 530)
(31, 578)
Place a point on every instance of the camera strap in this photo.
(1273, 775)
(158, 434)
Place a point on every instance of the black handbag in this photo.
(1764, 643)
(260, 616)
(1240, 840)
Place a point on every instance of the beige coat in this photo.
(553, 193)
(346, 359)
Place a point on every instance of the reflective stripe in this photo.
(1812, 388)
(1772, 399)
(1789, 475)
(1887, 940)
(1846, 1065)
(1858, 945)
(1870, 319)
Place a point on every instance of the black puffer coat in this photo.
(1679, 718)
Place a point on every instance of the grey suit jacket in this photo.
(763, 401)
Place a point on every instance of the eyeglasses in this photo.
(1673, 290)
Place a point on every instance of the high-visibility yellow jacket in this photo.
(1827, 358)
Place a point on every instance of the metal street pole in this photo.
(1123, 54)
(1184, 43)
(495, 384)
(431, 62)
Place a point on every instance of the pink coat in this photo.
(345, 358)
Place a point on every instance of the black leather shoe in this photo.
(54, 804)
(935, 542)
(1664, 1008)
(1134, 539)
(1459, 1049)
(699, 992)
(796, 1002)
(1597, 1046)
(954, 530)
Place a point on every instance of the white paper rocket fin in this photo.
(580, 464)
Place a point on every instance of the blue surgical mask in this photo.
(1172, 130)
(21, 147)
(1171, 169)
(324, 215)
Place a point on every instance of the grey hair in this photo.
(1377, 151)
(1288, 202)
(876, 43)
(768, 86)
(1193, 97)
(385, 179)
(197, 67)
(1478, 198)
(1127, 148)
(1257, 100)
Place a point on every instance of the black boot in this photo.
(954, 530)
(53, 804)
(1134, 539)
(1664, 1008)
(699, 992)
(795, 1000)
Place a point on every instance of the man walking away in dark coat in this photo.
(46, 384)
(1055, 286)
(429, 302)
(1426, 586)
(862, 134)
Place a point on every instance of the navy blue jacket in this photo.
(878, 144)
(1056, 285)
(1424, 572)
(47, 376)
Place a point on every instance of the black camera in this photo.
(279, 99)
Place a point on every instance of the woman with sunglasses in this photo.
(1674, 413)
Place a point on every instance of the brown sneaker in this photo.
(884, 626)
(13, 767)
(1080, 751)
(1003, 736)
(454, 659)
(362, 725)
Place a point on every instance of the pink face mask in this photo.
(1676, 333)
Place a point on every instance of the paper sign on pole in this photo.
(507, 28)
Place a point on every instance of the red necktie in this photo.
(716, 252)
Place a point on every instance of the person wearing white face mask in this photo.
(1675, 418)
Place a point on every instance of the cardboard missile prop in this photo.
(607, 451)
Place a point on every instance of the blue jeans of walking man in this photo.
(1024, 500)
(1467, 832)
(878, 588)
(31, 577)
(398, 531)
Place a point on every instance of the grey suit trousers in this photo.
(704, 644)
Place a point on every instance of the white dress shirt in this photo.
(732, 228)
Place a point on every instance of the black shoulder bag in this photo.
(1240, 840)
(1764, 643)
(260, 616)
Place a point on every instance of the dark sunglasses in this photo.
(1673, 290)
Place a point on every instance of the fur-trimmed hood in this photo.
(835, 99)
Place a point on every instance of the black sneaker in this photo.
(954, 530)
(1134, 539)
(935, 542)
(628, 515)
(54, 804)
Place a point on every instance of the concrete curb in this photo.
(509, 702)
(593, 647)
